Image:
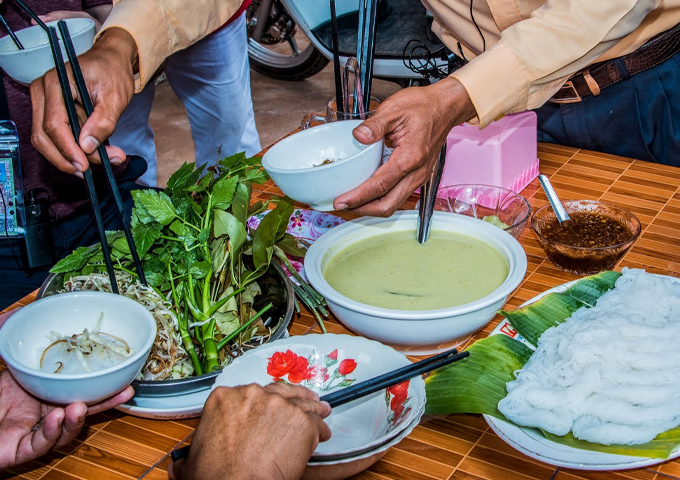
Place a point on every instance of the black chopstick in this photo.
(75, 129)
(89, 108)
(12, 35)
(395, 377)
(32, 14)
(389, 379)
(336, 59)
(369, 51)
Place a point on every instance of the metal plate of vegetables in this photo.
(213, 287)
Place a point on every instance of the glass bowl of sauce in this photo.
(595, 238)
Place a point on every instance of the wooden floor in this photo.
(456, 447)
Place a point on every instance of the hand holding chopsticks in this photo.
(75, 129)
(367, 387)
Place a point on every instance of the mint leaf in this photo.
(154, 279)
(199, 269)
(223, 192)
(156, 204)
(145, 236)
(77, 260)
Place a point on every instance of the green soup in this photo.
(394, 271)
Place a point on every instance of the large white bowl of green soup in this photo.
(420, 299)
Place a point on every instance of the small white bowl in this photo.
(319, 362)
(415, 332)
(35, 59)
(291, 163)
(24, 337)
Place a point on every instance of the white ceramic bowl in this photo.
(325, 363)
(416, 332)
(24, 337)
(290, 163)
(345, 468)
(35, 59)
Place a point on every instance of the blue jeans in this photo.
(212, 78)
(77, 231)
(638, 117)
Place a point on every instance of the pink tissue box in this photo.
(502, 154)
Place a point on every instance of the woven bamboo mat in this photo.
(116, 446)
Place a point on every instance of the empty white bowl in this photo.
(24, 337)
(35, 59)
(416, 332)
(326, 363)
(295, 163)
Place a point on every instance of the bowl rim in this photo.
(143, 351)
(635, 236)
(517, 267)
(312, 131)
(507, 190)
(90, 24)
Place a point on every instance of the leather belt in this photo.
(599, 76)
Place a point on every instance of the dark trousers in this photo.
(638, 117)
(77, 231)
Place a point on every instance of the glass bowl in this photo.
(500, 206)
(579, 259)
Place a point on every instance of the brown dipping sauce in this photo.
(587, 230)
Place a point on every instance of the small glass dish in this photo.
(579, 259)
(499, 206)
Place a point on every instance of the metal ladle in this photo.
(555, 203)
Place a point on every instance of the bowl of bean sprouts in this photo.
(83, 346)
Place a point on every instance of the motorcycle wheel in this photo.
(305, 64)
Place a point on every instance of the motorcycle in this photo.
(406, 50)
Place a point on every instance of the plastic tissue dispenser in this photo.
(502, 154)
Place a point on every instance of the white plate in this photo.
(532, 443)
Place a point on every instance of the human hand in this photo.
(64, 14)
(29, 427)
(251, 432)
(108, 72)
(416, 120)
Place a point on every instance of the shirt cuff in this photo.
(490, 96)
(146, 24)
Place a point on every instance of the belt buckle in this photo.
(574, 99)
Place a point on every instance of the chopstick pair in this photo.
(375, 384)
(75, 129)
(428, 196)
(366, 48)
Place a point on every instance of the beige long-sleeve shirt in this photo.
(534, 46)
(163, 27)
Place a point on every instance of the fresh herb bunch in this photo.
(196, 250)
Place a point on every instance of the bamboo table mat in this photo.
(115, 446)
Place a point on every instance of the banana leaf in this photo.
(551, 310)
(477, 384)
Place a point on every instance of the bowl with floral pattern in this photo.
(327, 363)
